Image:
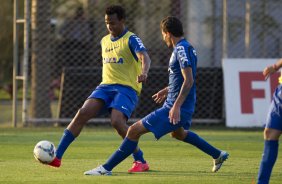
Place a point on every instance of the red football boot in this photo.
(139, 167)
(55, 163)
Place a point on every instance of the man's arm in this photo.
(174, 113)
(137, 47)
(269, 70)
(146, 62)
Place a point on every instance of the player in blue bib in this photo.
(273, 127)
(176, 114)
(125, 66)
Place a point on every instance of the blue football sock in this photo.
(138, 156)
(127, 147)
(65, 141)
(203, 145)
(269, 157)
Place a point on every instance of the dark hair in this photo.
(79, 11)
(116, 9)
(172, 25)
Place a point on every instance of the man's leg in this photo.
(118, 121)
(269, 156)
(90, 108)
(192, 138)
(127, 147)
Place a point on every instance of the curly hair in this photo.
(116, 9)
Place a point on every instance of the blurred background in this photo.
(56, 61)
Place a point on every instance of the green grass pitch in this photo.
(170, 161)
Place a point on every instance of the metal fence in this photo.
(64, 60)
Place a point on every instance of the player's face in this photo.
(166, 39)
(114, 25)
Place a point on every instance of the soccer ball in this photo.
(44, 152)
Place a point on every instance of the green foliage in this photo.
(171, 161)
(262, 23)
(4, 95)
(235, 25)
(6, 41)
(60, 8)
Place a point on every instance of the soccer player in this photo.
(125, 66)
(273, 127)
(176, 113)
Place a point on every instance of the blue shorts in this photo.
(274, 116)
(158, 123)
(119, 97)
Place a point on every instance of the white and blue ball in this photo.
(44, 152)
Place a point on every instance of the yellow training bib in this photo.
(119, 64)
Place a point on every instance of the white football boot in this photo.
(217, 163)
(98, 171)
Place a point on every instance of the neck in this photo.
(120, 33)
(175, 40)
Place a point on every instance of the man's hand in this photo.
(269, 70)
(174, 115)
(160, 96)
(142, 78)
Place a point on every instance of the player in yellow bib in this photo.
(120, 64)
(125, 66)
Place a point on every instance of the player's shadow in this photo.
(163, 173)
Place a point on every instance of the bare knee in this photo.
(177, 136)
(116, 123)
(80, 119)
(133, 132)
(84, 113)
(120, 126)
(271, 134)
(266, 133)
